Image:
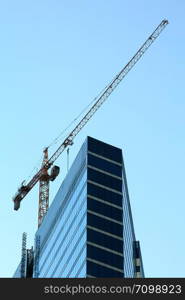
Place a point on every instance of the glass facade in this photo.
(62, 235)
(88, 230)
(104, 211)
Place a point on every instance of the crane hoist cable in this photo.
(60, 135)
(75, 119)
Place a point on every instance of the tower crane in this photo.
(42, 176)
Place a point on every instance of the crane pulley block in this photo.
(54, 172)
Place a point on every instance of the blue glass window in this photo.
(101, 271)
(104, 179)
(105, 256)
(104, 209)
(105, 150)
(104, 165)
(104, 194)
(104, 225)
(104, 240)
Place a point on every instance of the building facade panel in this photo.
(105, 165)
(105, 208)
(95, 269)
(104, 194)
(105, 180)
(106, 151)
(105, 255)
(104, 239)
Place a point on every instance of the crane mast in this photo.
(42, 175)
(43, 190)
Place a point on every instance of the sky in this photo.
(55, 57)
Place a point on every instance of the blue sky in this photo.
(55, 57)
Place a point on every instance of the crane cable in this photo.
(55, 141)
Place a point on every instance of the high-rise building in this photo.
(88, 230)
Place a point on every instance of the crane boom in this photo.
(24, 189)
